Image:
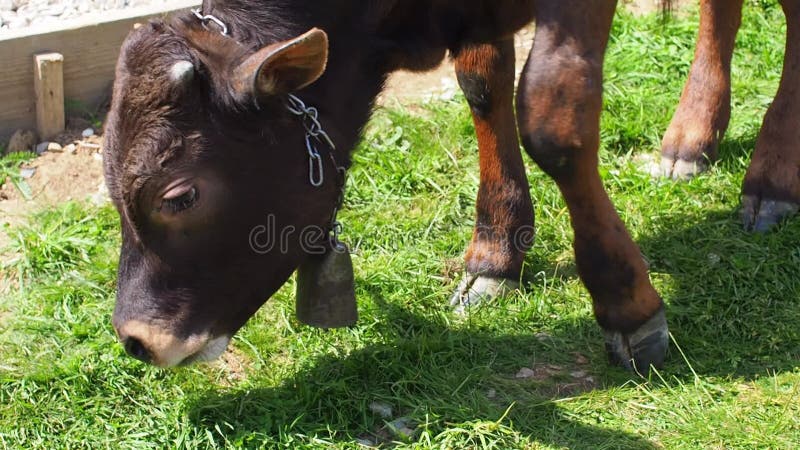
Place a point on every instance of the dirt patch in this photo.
(231, 367)
(54, 178)
(557, 381)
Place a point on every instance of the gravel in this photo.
(19, 14)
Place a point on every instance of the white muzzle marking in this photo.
(167, 350)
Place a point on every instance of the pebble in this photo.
(48, 147)
(17, 14)
(366, 443)
(27, 172)
(381, 409)
(22, 141)
(403, 428)
(578, 374)
(71, 148)
(525, 373)
(87, 133)
(101, 197)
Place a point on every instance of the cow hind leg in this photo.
(504, 224)
(702, 117)
(771, 190)
(558, 106)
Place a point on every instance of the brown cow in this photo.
(204, 140)
(771, 190)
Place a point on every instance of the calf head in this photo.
(200, 153)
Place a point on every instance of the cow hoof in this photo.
(761, 216)
(680, 169)
(642, 349)
(475, 289)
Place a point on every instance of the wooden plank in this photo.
(48, 84)
(90, 47)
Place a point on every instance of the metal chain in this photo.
(315, 132)
(205, 18)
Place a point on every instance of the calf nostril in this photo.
(135, 348)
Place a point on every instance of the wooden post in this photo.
(48, 84)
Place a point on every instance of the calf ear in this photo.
(283, 67)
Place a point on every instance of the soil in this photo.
(58, 178)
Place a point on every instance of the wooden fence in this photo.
(89, 46)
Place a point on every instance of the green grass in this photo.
(733, 304)
(10, 171)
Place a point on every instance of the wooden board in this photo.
(90, 46)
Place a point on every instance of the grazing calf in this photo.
(771, 190)
(212, 128)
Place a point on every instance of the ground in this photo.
(525, 372)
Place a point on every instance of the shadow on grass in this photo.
(458, 386)
(733, 305)
(731, 151)
(734, 297)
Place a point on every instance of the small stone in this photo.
(714, 259)
(525, 373)
(54, 10)
(581, 359)
(541, 337)
(87, 133)
(27, 172)
(381, 409)
(101, 197)
(22, 141)
(402, 428)
(578, 374)
(366, 443)
(71, 148)
(18, 23)
(48, 147)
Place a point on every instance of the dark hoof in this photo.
(475, 289)
(642, 349)
(761, 216)
(679, 169)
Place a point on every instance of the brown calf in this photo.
(202, 146)
(771, 190)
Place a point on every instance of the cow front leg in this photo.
(504, 223)
(558, 106)
(692, 139)
(771, 190)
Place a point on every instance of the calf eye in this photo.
(179, 200)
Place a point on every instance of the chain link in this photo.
(314, 132)
(205, 18)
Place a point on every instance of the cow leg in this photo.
(504, 224)
(558, 106)
(693, 137)
(771, 190)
